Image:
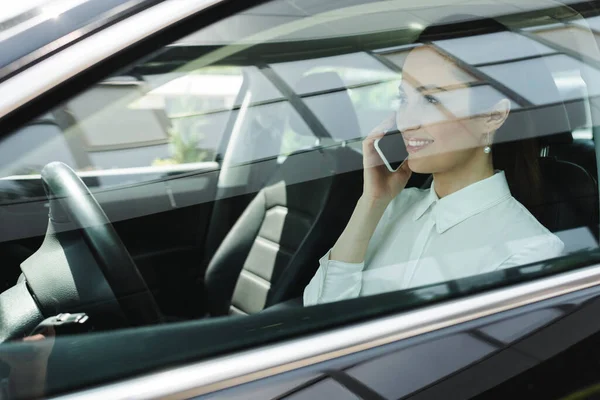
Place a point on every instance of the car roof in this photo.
(36, 29)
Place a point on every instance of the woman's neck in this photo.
(451, 181)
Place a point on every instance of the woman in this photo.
(468, 222)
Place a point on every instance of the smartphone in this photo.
(391, 149)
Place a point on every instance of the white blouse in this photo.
(422, 239)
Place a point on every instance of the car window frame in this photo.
(369, 334)
(50, 35)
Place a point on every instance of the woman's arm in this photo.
(339, 275)
(380, 187)
(351, 246)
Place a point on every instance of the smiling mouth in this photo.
(414, 145)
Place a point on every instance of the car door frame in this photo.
(347, 346)
(272, 359)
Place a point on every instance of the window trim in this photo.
(73, 29)
(56, 70)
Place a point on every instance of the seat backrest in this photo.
(568, 204)
(273, 249)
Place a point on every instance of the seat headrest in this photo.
(332, 107)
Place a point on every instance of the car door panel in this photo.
(492, 377)
(451, 363)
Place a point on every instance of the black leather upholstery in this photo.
(273, 249)
(581, 152)
(63, 276)
(88, 262)
(569, 177)
(19, 313)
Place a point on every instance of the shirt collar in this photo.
(464, 203)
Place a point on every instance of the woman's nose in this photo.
(408, 120)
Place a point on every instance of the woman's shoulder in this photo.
(524, 224)
(521, 216)
(519, 235)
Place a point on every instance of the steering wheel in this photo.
(83, 266)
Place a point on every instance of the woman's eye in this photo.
(430, 99)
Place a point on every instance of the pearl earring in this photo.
(487, 149)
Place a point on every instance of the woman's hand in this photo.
(381, 185)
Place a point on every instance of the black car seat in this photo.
(273, 249)
(568, 204)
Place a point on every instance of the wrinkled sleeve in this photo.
(538, 249)
(337, 280)
(334, 281)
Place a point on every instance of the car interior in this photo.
(235, 238)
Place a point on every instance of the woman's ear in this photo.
(497, 115)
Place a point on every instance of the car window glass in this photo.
(124, 122)
(254, 118)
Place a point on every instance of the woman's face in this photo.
(435, 114)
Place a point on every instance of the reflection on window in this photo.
(574, 38)
(567, 72)
(296, 135)
(429, 58)
(269, 130)
(397, 57)
(260, 88)
(126, 127)
(507, 46)
(480, 99)
(374, 103)
(128, 122)
(332, 110)
(172, 118)
(354, 69)
(592, 23)
(19, 157)
(203, 91)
